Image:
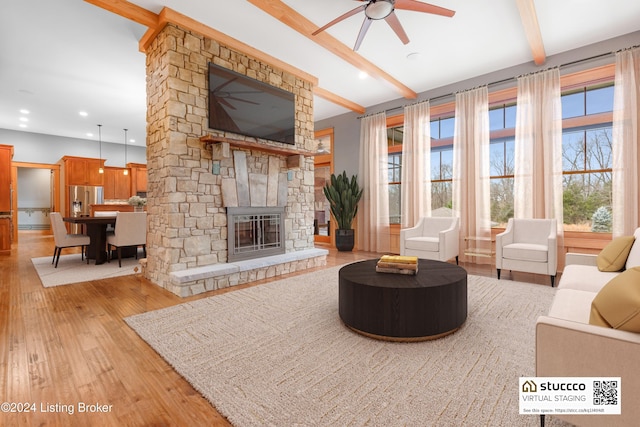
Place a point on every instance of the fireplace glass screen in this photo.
(255, 232)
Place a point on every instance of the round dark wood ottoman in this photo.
(398, 307)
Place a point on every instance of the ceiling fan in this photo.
(384, 9)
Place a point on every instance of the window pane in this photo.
(447, 128)
(599, 148)
(435, 129)
(395, 167)
(435, 164)
(447, 163)
(441, 198)
(584, 194)
(496, 158)
(573, 151)
(496, 119)
(510, 156)
(573, 105)
(510, 117)
(394, 204)
(600, 100)
(501, 201)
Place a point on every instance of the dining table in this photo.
(96, 227)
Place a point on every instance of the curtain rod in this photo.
(508, 79)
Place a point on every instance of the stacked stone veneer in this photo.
(187, 226)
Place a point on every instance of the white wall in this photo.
(347, 126)
(40, 148)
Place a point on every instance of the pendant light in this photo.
(101, 170)
(126, 169)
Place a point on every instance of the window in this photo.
(395, 177)
(586, 145)
(587, 159)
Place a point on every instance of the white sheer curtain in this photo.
(626, 100)
(471, 199)
(538, 148)
(416, 164)
(373, 223)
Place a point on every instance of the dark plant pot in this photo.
(345, 240)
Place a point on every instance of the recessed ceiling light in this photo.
(132, 140)
(363, 75)
(89, 134)
(23, 119)
(24, 111)
(83, 113)
(22, 125)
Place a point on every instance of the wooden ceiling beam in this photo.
(531, 26)
(338, 100)
(156, 22)
(298, 22)
(128, 10)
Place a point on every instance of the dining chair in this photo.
(130, 230)
(65, 240)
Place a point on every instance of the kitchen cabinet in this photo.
(82, 171)
(138, 178)
(6, 154)
(5, 234)
(117, 185)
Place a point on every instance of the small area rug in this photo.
(278, 355)
(71, 269)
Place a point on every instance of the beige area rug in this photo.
(278, 355)
(71, 269)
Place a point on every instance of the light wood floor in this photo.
(68, 345)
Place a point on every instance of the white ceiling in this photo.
(61, 57)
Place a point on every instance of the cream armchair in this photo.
(432, 238)
(528, 245)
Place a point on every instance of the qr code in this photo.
(605, 392)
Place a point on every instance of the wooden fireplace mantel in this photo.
(220, 148)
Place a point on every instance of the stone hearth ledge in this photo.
(197, 280)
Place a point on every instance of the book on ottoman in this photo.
(397, 264)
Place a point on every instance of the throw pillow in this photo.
(633, 260)
(617, 305)
(614, 256)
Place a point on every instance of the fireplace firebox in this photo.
(255, 232)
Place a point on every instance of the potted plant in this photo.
(343, 196)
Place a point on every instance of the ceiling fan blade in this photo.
(233, 98)
(363, 31)
(221, 85)
(395, 25)
(418, 6)
(340, 18)
(224, 102)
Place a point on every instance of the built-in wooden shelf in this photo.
(251, 145)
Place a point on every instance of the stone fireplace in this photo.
(197, 176)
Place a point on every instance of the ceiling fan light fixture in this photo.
(379, 9)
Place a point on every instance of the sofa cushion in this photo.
(614, 256)
(633, 260)
(572, 304)
(617, 305)
(525, 252)
(430, 244)
(584, 278)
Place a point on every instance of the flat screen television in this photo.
(246, 106)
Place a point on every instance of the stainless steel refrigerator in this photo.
(81, 197)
